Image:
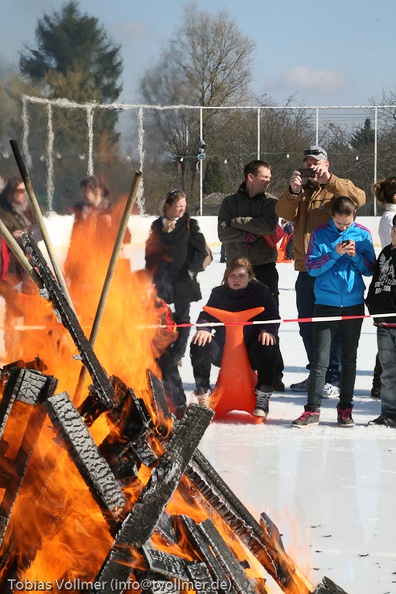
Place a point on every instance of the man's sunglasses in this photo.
(314, 152)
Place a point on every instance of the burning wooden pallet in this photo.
(132, 558)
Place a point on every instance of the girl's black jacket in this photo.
(381, 296)
(254, 295)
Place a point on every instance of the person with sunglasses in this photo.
(307, 203)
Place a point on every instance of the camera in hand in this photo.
(307, 172)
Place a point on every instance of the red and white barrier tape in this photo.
(285, 320)
(22, 327)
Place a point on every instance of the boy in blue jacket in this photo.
(339, 254)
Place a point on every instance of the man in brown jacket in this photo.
(307, 205)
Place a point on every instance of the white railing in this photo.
(140, 109)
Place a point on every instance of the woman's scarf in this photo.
(169, 224)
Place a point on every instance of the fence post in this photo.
(200, 166)
(375, 153)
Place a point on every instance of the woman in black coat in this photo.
(175, 252)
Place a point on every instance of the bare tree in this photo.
(207, 62)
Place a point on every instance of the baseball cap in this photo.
(315, 151)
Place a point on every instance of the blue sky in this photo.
(330, 53)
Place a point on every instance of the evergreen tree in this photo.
(214, 179)
(363, 138)
(73, 59)
(69, 43)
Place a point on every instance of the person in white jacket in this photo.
(385, 193)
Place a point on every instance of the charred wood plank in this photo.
(140, 523)
(27, 387)
(34, 387)
(258, 540)
(53, 292)
(157, 388)
(138, 418)
(131, 420)
(328, 587)
(143, 451)
(129, 413)
(165, 477)
(82, 449)
(226, 558)
(202, 546)
(271, 529)
(126, 459)
(166, 530)
(116, 574)
(183, 576)
(176, 568)
(130, 417)
(200, 576)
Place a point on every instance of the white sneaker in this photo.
(330, 391)
(203, 397)
(262, 404)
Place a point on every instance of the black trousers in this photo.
(172, 382)
(262, 359)
(268, 275)
(181, 315)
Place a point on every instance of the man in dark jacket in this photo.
(244, 219)
(381, 299)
